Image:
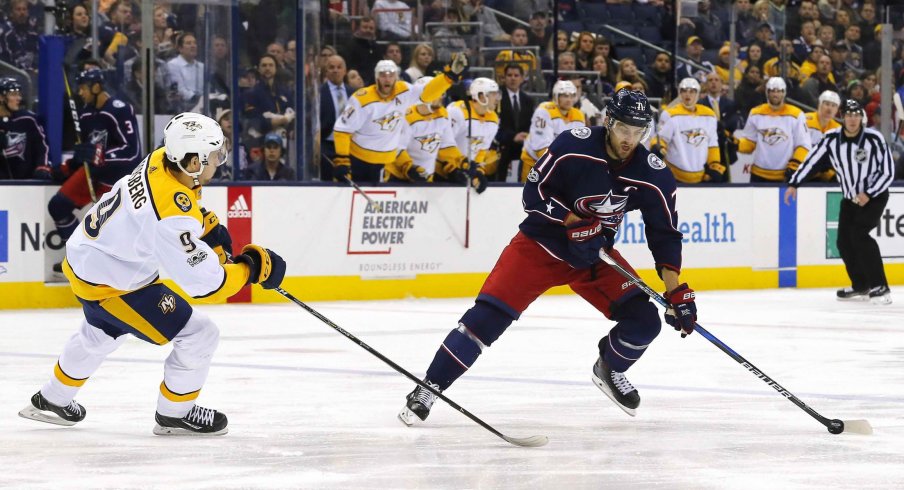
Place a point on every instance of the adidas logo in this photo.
(239, 208)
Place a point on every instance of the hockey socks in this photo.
(455, 356)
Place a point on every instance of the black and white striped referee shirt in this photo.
(863, 163)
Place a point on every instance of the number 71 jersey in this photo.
(147, 220)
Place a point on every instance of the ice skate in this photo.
(880, 295)
(43, 411)
(851, 294)
(199, 421)
(418, 404)
(616, 386)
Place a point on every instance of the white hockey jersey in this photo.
(483, 129)
(775, 137)
(148, 220)
(427, 136)
(547, 122)
(690, 139)
(816, 131)
(370, 126)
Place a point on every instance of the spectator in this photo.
(516, 108)
(723, 68)
(490, 27)
(290, 59)
(420, 63)
(855, 51)
(806, 12)
(747, 22)
(603, 47)
(804, 43)
(627, 70)
(224, 172)
(868, 22)
(164, 45)
(278, 52)
(269, 105)
(782, 65)
(706, 25)
(591, 111)
(355, 82)
(526, 59)
(272, 168)
(19, 45)
(659, 78)
(818, 83)
(583, 51)
(872, 50)
(540, 32)
(826, 35)
(602, 84)
(187, 73)
(219, 64)
(694, 51)
(22, 139)
(393, 19)
(754, 56)
(839, 55)
(726, 111)
(325, 52)
(334, 94)
(808, 67)
(765, 37)
(78, 46)
(752, 90)
(842, 19)
(856, 91)
(393, 52)
(361, 54)
(449, 39)
(871, 83)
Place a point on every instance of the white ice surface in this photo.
(310, 409)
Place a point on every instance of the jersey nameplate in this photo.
(136, 188)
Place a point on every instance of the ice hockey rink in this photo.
(310, 409)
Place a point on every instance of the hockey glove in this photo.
(791, 169)
(267, 268)
(479, 181)
(459, 176)
(714, 173)
(683, 313)
(90, 153)
(455, 69)
(586, 237)
(342, 167)
(216, 236)
(417, 174)
(43, 172)
(63, 170)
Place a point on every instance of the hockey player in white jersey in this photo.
(474, 124)
(820, 122)
(150, 220)
(688, 138)
(368, 132)
(549, 120)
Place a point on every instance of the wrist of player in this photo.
(266, 267)
(682, 311)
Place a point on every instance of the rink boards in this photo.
(411, 242)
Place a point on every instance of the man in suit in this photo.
(334, 94)
(727, 114)
(516, 109)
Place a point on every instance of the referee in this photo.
(865, 169)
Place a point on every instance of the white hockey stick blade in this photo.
(533, 441)
(32, 413)
(858, 427)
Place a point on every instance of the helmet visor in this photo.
(629, 133)
(218, 157)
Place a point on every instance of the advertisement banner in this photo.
(239, 223)
(889, 234)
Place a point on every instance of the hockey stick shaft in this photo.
(832, 425)
(352, 182)
(527, 442)
(78, 132)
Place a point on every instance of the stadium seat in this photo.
(650, 33)
(644, 13)
(571, 26)
(621, 14)
(594, 13)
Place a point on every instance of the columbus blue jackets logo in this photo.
(15, 145)
(389, 121)
(582, 133)
(694, 136)
(167, 304)
(609, 208)
(773, 136)
(98, 136)
(182, 201)
(429, 142)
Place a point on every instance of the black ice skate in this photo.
(880, 295)
(44, 411)
(199, 421)
(851, 294)
(616, 386)
(418, 404)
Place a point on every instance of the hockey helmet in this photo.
(563, 87)
(851, 106)
(9, 84)
(483, 86)
(632, 108)
(386, 66)
(689, 83)
(776, 83)
(830, 96)
(90, 77)
(191, 133)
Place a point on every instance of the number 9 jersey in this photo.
(147, 220)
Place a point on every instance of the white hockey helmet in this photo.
(776, 83)
(689, 83)
(563, 87)
(483, 86)
(386, 66)
(191, 133)
(830, 96)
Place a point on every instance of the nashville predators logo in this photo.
(773, 136)
(694, 136)
(182, 201)
(167, 304)
(609, 208)
(429, 142)
(476, 143)
(192, 125)
(390, 121)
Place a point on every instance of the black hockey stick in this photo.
(834, 426)
(352, 182)
(533, 441)
(78, 132)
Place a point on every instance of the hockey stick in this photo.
(352, 182)
(533, 441)
(468, 182)
(834, 426)
(78, 132)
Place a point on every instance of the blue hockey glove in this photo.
(90, 153)
(479, 181)
(586, 236)
(683, 313)
(342, 167)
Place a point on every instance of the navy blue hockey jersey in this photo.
(114, 126)
(24, 145)
(575, 176)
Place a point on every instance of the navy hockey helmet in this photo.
(9, 84)
(630, 107)
(90, 77)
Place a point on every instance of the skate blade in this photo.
(881, 300)
(32, 413)
(408, 417)
(176, 431)
(861, 298)
(605, 389)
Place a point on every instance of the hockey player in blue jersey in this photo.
(575, 198)
(110, 145)
(22, 140)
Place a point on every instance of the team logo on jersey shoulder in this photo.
(119, 104)
(167, 304)
(533, 175)
(182, 201)
(582, 133)
(655, 162)
(860, 156)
